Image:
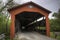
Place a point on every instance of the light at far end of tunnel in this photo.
(23, 27)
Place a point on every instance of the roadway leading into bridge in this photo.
(31, 36)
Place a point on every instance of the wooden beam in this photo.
(12, 27)
(47, 26)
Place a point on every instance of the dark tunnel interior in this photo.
(27, 21)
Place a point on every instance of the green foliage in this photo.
(57, 15)
(4, 24)
(55, 23)
(4, 19)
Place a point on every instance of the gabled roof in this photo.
(31, 3)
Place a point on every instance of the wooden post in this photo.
(12, 28)
(47, 26)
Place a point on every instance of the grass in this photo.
(52, 35)
(58, 37)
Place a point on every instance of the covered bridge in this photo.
(25, 17)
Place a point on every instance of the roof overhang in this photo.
(28, 4)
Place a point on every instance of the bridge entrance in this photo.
(30, 21)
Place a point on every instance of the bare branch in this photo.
(5, 5)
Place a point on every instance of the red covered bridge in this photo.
(25, 14)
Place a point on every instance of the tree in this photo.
(4, 19)
(55, 23)
(2, 23)
(5, 5)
